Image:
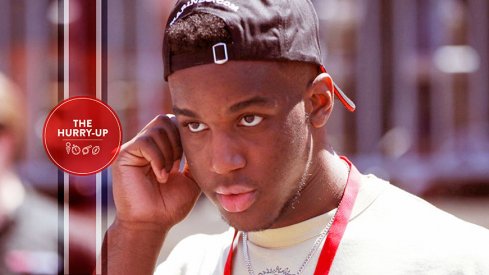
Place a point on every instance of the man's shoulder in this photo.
(206, 241)
(411, 234)
(394, 204)
(401, 218)
(198, 254)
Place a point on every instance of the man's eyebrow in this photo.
(254, 101)
(184, 112)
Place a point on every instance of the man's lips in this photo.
(236, 198)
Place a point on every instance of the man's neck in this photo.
(322, 190)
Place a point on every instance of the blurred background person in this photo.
(28, 220)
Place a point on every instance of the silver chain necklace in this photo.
(313, 250)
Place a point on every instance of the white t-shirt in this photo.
(390, 232)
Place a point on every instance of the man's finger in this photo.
(161, 139)
(145, 147)
(169, 123)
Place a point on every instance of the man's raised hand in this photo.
(149, 189)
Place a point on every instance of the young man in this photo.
(251, 100)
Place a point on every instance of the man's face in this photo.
(246, 137)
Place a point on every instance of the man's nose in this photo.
(226, 154)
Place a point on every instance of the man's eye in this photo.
(195, 127)
(250, 120)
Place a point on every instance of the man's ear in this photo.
(319, 100)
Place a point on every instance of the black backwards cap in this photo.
(275, 30)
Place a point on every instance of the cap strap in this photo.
(215, 48)
(220, 53)
(348, 103)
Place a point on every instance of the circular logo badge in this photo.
(82, 135)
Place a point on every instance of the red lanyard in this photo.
(335, 232)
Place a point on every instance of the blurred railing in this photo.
(418, 72)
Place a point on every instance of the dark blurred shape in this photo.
(28, 220)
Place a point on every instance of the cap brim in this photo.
(347, 102)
